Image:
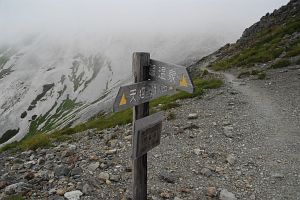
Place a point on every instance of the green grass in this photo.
(247, 73)
(281, 63)
(261, 75)
(266, 46)
(14, 197)
(34, 141)
(171, 116)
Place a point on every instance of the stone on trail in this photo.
(211, 191)
(225, 195)
(228, 131)
(230, 159)
(104, 176)
(193, 116)
(93, 166)
(73, 195)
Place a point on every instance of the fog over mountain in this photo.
(61, 62)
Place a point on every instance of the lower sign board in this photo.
(147, 132)
(138, 93)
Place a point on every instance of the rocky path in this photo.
(240, 141)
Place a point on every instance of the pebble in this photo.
(193, 116)
(41, 161)
(230, 159)
(93, 166)
(177, 198)
(225, 195)
(73, 195)
(86, 189)
(111, 151)
(3, 184)
(61, 170)
(60, 191)
(198, 151)
(211, 192)
(206, 172)
(16, 188)
(114, 178)
(277, 175)
(228, 131)
(167, 177)
(104, 176)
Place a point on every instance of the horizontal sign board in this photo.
(147, 133)
(138, 93)
(171, 74)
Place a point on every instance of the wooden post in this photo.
(140, 68)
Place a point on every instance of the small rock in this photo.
(28, 176)
(72, 147)
(104, 176)
(93, 166)
(86, 189)
(198, 151)
(128, 137)
(252, 197)
(177, 198)
(3, 184)
(49, 156)
(29, 164)
(67, 153)
(225, 195)
(228, 131)
(167, 177)
(114, 178)
(230, 159)
(108, 182)
(41, 161)
(77, 171)
(60, 191)
(16, 188)
(219, 169)
(61, 170)
(277, 175)
(206, 172)
(111, 151)
(190, 126)
(211, 191)
(166, 195)
(193, 116)
(52, 191)
(73, 195)
(113, 143)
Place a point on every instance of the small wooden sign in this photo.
(171, 74)
(147, 134)
(138, 93)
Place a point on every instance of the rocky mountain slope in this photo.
(274, 39)
(44, 87)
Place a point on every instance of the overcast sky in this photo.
(171, 29)
(131, 16)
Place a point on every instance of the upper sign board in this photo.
(171, 74)
(138, 93)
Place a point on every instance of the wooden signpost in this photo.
(152, 79)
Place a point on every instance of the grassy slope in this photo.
(34, 141)
(267, 45)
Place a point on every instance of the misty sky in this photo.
(160, 26)
(131, 16)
